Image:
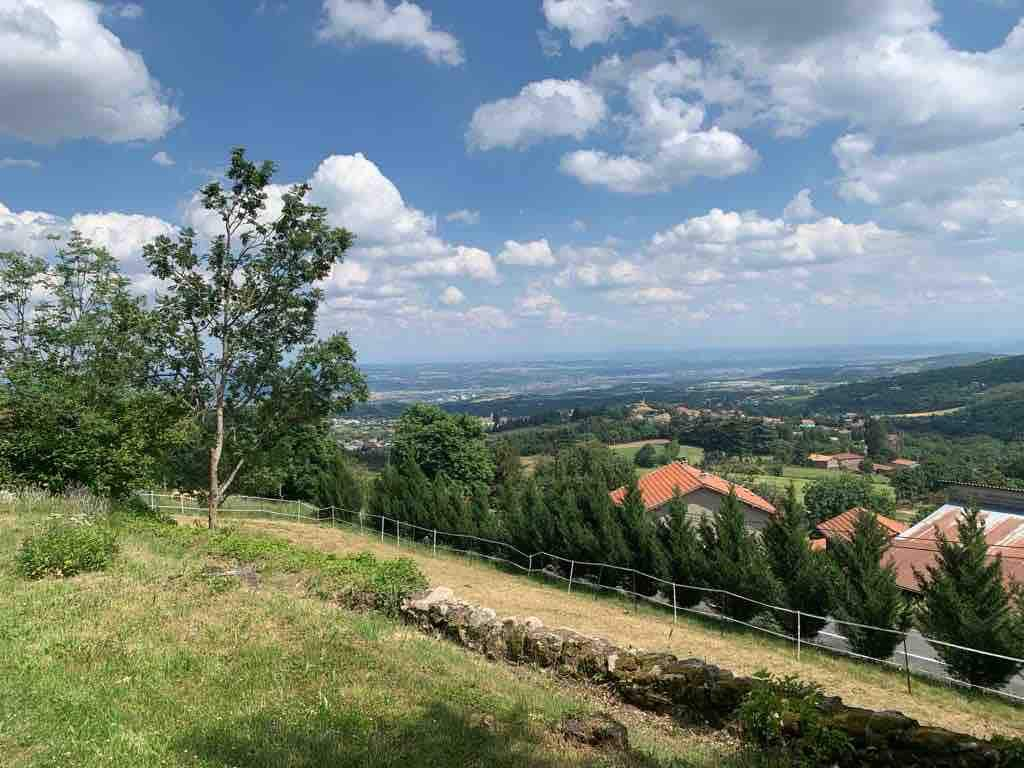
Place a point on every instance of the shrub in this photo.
(783, 717)
(66, 546)
(364, 582)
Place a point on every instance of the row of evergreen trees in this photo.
(565, 509)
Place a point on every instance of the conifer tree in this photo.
(538, 534)
(685, 555)
(805, 577)
(735, 562)
(416, 507)
(601, 517)
(965, 602)
(867, 592)
(641, 536)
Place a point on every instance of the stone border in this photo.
(689, 690)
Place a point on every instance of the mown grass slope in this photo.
(157, 663)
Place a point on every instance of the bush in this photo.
(364, 582)
(67, 546)
(783, 717)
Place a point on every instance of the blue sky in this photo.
(555, 177)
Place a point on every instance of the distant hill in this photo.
(989, 384)
(857, 372)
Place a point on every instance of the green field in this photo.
(691, 453)
(157, 663)
(801, 483)
(813, 473)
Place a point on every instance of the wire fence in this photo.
(710, 603)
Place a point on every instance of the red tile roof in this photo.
(904, 463)
(916, 548)
(842, 525)
(820, 457)
(847, 456)
(657, 487)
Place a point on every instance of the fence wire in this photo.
(604, 578)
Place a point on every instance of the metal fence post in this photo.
(530, 570)
(398, 534)
(674, 608)
(906, 662)
(435, 542)
(382, 529)
(152, 501)
(181, 503)
(572, 568)
(798, 635)
(332, 516)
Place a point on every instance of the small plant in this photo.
(783, 717)
(66, 546)
(364, 582)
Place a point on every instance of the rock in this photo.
(433, 597)
(598, 730)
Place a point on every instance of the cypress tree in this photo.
(867, 592)
(685, 555)
(964, 601)
(735, 562)
(648, 556)
(601, 517)
(805, 577)
(538, 534)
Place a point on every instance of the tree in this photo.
(234, 314)
(805, 577)
(965, 602)
(833, 495)
(670, 452)
(647, 456)
(445, 444)
(735, 562)
(685, 555)
(76, 393)
(876, 437)
(508, 466)
(20, 275)
(867, 592)
(641, 535)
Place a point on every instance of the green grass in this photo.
(691, 453)
(814, 473)
(801, 483)
(153, 663)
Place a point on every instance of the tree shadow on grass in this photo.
(440, 736)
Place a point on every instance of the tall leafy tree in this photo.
(735, 562)
(867, 592)
(805, 577)
(965, 602)
(833, 495)
(239, 320)
(20, 275)
(876, 436)
(685, 554)
(442, 443)
(647, 456)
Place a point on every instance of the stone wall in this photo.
(687, 689)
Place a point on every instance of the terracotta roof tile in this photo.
(842, 524)
(657, 487)
(916, 548)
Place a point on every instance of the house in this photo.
(904, 463)
(807, 424)
(662, 418)
(841, 526)
(848, 460)
(880, 468)
(823, 461)
(703, 492)
(917, 548)
(690, 413)
(640, 411)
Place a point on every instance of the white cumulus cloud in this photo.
(406, 25)
(72, 78)
(452, 296)
(532, 254)
(541, 110)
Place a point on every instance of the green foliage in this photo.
(876, 436)
(66, 546)
(647, 456)
(587, 459)
(735, 562)
(783, 717)
(77, 401)
(444, 444)
(867, 592)
(965, 602)
(670, 452)
(805, 577)
(364, 582)
(685, 555)
(239, 320)
(641, 537)
(831, 496)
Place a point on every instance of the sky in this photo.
(554, 178)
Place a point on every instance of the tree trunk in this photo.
(215, 453)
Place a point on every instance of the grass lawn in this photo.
(814, 473)
(801, 483)
(153, 663)
(691, 453)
